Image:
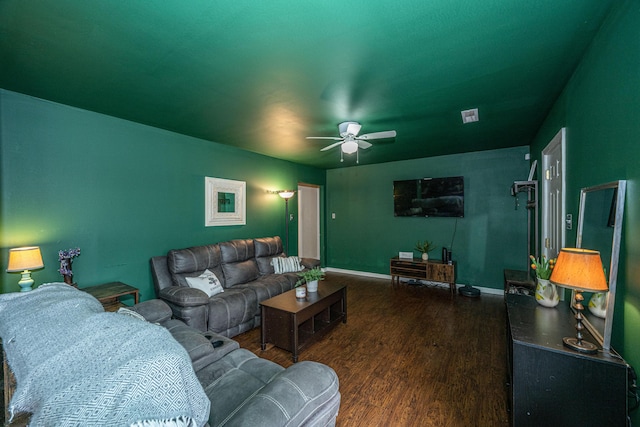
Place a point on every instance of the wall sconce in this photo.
(23, 260)
(580, 270)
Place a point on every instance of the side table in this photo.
(109, 294)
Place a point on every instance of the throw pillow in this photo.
(286, 265)
(207, 282)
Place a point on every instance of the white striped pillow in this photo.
(286, 265)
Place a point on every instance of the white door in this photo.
(553, 196)
(308, 221)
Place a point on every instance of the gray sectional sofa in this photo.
(75, 364)
(246, 390)
(245, 272)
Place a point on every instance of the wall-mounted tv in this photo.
(429, 197)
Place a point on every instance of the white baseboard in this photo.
(484, 290)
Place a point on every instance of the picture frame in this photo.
(225, 202)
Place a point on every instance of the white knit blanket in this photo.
(77, 365)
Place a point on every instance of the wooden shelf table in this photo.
(109, 294)
(417, 268)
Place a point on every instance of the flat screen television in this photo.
(429, 197)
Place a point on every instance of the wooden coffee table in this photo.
(292, 324)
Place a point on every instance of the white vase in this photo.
(598, 304)
(312, 286)
(425, 256)
(547, 293)
(301, 292)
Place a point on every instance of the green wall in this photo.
(492, 235)
(600, 108)
(121, 191)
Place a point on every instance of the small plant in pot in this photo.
(424, 248)
(311, 277)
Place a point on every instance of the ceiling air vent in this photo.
(469, 116)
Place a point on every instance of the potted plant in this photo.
(424, 248)
(310, 277)
(546, 292)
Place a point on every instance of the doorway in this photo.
(553, 195)
(308, 221)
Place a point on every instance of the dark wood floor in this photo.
(412, 356)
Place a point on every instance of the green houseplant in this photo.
(309, 277)
(424, 248)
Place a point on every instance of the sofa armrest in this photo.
(183, 296)
(310, 262)
(154, 310)
(305, 393)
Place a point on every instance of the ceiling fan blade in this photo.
(353, 128)
(335, 144)
(379, 135)
(363, 144)
(335, 138)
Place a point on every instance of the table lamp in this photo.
(24, 260)
(580, 270)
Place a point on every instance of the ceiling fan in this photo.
(349, 141)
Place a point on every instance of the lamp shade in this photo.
(349, 147)
(579, 269)
(286, 194)
(27, 258)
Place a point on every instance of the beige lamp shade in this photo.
(286, 194)
(579, 269)
(27, 258)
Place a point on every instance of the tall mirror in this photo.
(600, 228)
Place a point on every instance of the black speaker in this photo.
(445, 255)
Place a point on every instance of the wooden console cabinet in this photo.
(416, 268)
(552, 385)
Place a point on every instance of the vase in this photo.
(547, 293)
(301, 292)
(425, 256)
(312, 286)
(598, 304)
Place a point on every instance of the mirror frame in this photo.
(213, 216)
(605, 338)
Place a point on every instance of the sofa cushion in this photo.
(233, 312)
(206, 282)
(237, 377)
(238, 262)
(265, 249)
(270, 286)
(192, 262)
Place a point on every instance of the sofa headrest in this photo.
(266, 248)
(236, 250)
(238, 262)
(190, 260)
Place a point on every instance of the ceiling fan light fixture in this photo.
(349, 147)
